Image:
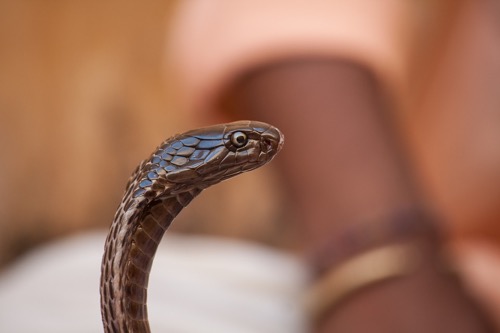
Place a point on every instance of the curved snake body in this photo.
(161, 186)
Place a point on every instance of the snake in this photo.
(159, 188)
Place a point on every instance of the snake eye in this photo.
(239, 139)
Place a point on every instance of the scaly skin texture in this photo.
(161, 186)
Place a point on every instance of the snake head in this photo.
(205, 156)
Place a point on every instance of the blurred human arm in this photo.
(344, 166)
(363, 175)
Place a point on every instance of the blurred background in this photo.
(85, 94)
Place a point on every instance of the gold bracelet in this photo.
(361, 271)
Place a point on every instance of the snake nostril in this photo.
(267, 145)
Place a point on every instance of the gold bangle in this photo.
(363, 270)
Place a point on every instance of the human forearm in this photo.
(344, 167)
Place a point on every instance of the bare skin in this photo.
(336, 105)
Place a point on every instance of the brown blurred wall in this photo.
(76, 79)
(83, 98)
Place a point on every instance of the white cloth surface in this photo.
(197, 284)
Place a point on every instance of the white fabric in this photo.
(196, 285)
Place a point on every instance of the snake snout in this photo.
(272, 141)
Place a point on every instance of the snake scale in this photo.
(161, 186)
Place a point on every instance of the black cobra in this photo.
(161, 186)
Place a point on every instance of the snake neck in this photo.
(130, 248)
